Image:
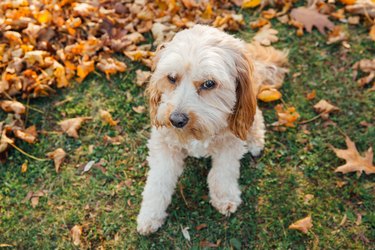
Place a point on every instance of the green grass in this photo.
(106, 201)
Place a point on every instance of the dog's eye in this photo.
(209, 84)
(171, 78)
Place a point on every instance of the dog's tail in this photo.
(270, 65)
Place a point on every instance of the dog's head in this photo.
(202, 83)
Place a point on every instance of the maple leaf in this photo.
(71, 126)
(268, 94)
(302, 225)
(13, 106)
(76, 233)
(58, 157)
(107, 117)
(325, 108)
(354, 161)
(111, 66)
(266, 36)
(310, 18)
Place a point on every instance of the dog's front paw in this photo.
(148, 225)
(226, 206)
(255, 150)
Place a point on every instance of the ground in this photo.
(106, 200)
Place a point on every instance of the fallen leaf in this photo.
(71, 126)
(353, 20)
(266, 36)
(139, 109)
(76, 233)
(311, 96)
(107, 117)
(302, 225)
(307, 198)
(24, 167)
(117, 140)
(287, 116)
(206, 243)
(13, 106)
(259, 23)
(84, 69)
(325, 108)
(29, 135)
(337, 35)
(111, 66)
(185, 233)
(58, 157)
(250, 3)
(200, 227)
(88, 166)
(362, 7)
(310, 18)
(142, 77)
(268, 94)
(372, 32)
(354, 161)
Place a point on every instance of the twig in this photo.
(310, 120)
(182, 194)
(28, 155)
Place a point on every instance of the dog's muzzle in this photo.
(178, 120)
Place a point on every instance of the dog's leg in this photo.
(166, 165)
(223, 178)
(255, 139)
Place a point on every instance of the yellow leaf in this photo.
(84, 69)
(207, 14)
(107, 117)
(24, 167)
(372, 32)
(43, 17)
(269, 95)
(250, 3)
(302, 225)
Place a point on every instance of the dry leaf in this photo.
(325, 108)
(139, 109)
(13, 106)
(29, 135)
(71, 126)
(287, 116)
(250, 3)
(259, 23)
(367, 66)
(185, 233)
(268, 94)
(354, 161)
(362, 7)
(58, 157)
(200, 227)
(307, 198)
(310, 18)
(353, 20)
(337, 35)
(206, 243)
(84, 69)
(266, 36)
(111, 66)
(311, 96)
(117, 140)
(142, 77)
(372, 32)
(107, 117)
(76, 233)
(302, 225)
(24, 167)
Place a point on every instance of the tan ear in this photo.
(243, 115)
(154, 97)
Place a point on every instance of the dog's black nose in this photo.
(179, 120)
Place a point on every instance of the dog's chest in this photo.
(198, 148)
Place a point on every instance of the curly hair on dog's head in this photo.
(202, 97)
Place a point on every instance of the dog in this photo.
(202, 98)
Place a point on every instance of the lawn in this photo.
(296, 162)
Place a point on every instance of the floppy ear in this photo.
(242, 117)
(154, 97)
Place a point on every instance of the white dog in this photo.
(203, 103)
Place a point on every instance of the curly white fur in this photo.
(194, 56)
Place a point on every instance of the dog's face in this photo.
(202, 84)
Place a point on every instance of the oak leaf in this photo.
(354, 161)
(266, 36)
(13, 106)
(325, 108)
(310, 18)
(302, 225)
(107, 117)
(58, 157)
(76, 233)
(71, 126)
(111, 66)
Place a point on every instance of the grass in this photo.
(105, 201)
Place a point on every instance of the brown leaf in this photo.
(13, 106)
(84, 69)
(117, 140)
(111, 66)
(266, 36)
(58, 157)
(29, 135)
(206, 243)
(142, 77)
(107, 117)
(76, 233)
(302, 225)
(354, 161)
(71, 126)
(139, 109)
(200, 227)
(325, 108)
(311, 96)
(310, 18)
(287, 116)
(337, 35)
